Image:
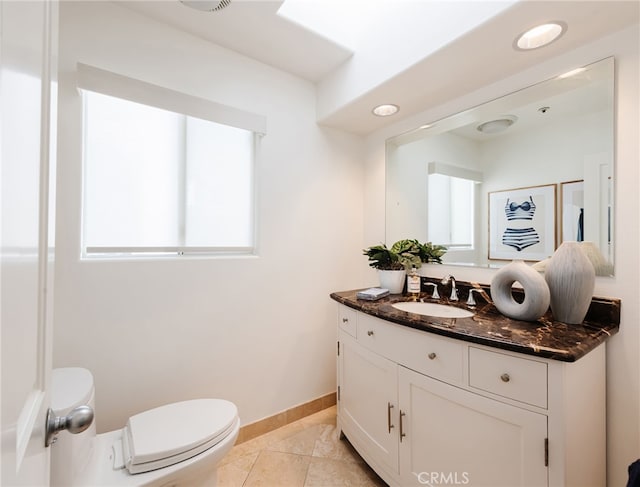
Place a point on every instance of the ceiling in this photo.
(255, 29)
(482, 56)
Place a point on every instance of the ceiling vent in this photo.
(206, 5)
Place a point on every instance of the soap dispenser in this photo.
(413, 282)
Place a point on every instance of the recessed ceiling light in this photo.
(539, 36)
(497, 125)
(206, 5)
(385, 110)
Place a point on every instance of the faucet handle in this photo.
(470, 300)
(435, 294)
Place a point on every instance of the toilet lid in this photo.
(176, 432)
(70, 387)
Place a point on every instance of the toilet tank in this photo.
(70, 454)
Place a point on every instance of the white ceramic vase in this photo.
(571, 279)
(600, 264)
(536, 292)
(392, 280)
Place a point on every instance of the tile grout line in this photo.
(321, 455)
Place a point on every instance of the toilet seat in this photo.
(176, 432)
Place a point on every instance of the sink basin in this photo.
(432, 309)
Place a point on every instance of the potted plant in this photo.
(393, 263)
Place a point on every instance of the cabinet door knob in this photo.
(345, 320)
(432, 355)
(370, 333)
(505, 378)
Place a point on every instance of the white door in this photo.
(27, 51)
(456, 437)
(368, 409)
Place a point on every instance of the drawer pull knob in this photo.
(370, 333)
(505, 378)
(432, 356)
(345, 320)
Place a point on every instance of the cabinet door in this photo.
(455, 437)
(367, 403)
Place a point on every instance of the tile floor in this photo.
(305, 453)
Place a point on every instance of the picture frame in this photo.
(522, 223)
(572, 211)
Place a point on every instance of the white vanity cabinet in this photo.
(423, 409)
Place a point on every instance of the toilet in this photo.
(172, 445)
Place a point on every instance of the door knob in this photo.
(78, 420)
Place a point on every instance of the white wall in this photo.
(623, 350)
(258, 331)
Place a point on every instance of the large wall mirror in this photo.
(512, 178)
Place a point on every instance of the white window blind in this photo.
(158, 180)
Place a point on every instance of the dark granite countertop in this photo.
(543, 338)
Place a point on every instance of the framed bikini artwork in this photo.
(522, 223)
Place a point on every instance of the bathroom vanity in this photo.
(482, 400)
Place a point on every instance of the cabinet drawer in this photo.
(417, 350)
(516, 378)
(347, 320)
(433, 356)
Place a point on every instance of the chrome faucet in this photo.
(454, 291)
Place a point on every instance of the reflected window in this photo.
(451, 211)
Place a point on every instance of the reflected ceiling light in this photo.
(497, 125)
(206, 5)
(573, 72)
(426, 126)
(385, 110)
(539, 36)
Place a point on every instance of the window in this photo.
(161, 181)
(451, 195)
(451, 211)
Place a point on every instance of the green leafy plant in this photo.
(381, 257)
(404, 254)
(408, 253)
(431, 253)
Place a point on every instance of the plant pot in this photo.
(392, 280)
